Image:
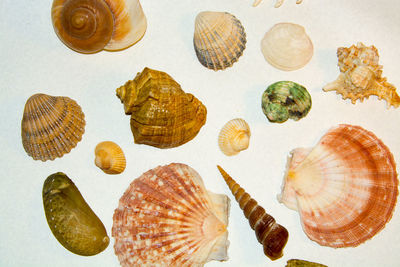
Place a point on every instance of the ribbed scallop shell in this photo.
(361, 76)
(162, 114)
(109, 157)
(277, 4)
(234, 137)
(88, 26)
(51, 126)
(286, 46)
(219, 39)
(166, 217)
(345, 188)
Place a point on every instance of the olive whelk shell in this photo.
(219, 39)
(51, 126)
(286, 46)
(361, 76)
(166, 217)
(345, 188)
(109, 157)
(271, 235)
(89, 26)
(162, 114)
(234, 137)
(277, 4)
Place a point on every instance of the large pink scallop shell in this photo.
(345, 188)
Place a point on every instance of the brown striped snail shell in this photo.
(271, 235)
(109, 157)
(89, 26)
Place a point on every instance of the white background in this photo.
(33, 60)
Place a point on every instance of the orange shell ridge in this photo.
(345, 188)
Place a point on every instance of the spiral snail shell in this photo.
(89, 26)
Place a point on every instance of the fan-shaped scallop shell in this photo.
(361, 76)
(51, 126)
(271, 235)
(162, 114)
(234, 137)
(286, 46)
(345, 188)
(166, 217)
(277, 4)
(88, 26)
(219, 39)
(109, 157)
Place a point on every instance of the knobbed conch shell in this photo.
(162, 114)
(283, 100)
(361, 76)
(219, 39)
(286, 46)
(234, 137)
(271, 235)
(88, 26)
(109, 157)
(345, 188)
(166, 217)
(51, 126)
(277, 4)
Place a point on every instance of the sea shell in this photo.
(234, 137)
(345, 188)
(162, 114)
(51, 126)
(109, 157)
(303, 263)
(88, 26)
(166, 217)
(219, 39)
(70, 218)
(361, 76)
(271, 235)
(286, 46)
(277, 4)
(285, 100)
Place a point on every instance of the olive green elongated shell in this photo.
(285, 100)
(70, 218)
(303, 263)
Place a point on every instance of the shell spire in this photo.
(271, 235)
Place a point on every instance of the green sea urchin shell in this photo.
(285, 100)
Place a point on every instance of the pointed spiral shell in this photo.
(109, 157)
(271, 235)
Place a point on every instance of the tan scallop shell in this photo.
(109, 157)
(88, 26)
(361, 76)
(166, 217)
(51, 126)
(234, 137)
(277, 4)
(345, 188)
(286, 46)
(219, 39)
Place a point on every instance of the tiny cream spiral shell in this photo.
(234, 137)
(110, 158)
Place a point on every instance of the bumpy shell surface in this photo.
(303, 263)
(109, 157)
(219, 39)
(166, 217)
(88, 26)
(277, 4)
(271, 235)
(234, 137)
(345, 188)
(70, 218)
(361, 76)
(283, 100)
(51, 126)
(162, 114)
(286, 46)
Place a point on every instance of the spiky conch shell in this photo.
(277, 4)
(219, 39)
(234, 137)
(89, 26)
(109, 157)
(361, 76)
(271, 235)
(162, 114)
(51, 126)
(345, 188)
(166, 217)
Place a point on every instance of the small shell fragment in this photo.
(277, 4)
(109, 157)
(234, 137)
